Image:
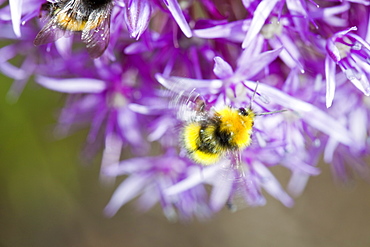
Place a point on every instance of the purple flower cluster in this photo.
(126, 66)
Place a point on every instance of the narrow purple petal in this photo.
(126, 191)
(221, 192)
(16, 13)
(330, 12)
(272, 186)
(111, 155)
(197, 177)
(138, 15)
(364, 2)
(181, 84)
(330, 80)
(146, 110)
(134, 165)
(357, 116)
(333, 51)
(260, 15)
(330, 148)
(148, 199)
(175, 9)
(78, 85)
(297, 183)
(222, 69)
(129, 126)
(250, 66)
(64, 46)
(234, 31)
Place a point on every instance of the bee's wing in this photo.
(190, 106)
(97, 39)
(49, 33)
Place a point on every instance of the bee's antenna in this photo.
(270, 112)
(254, 94)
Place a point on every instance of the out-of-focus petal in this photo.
(297, 183)
(196, 177)
(78, 85)
(222, 69)
(129, 126)
(249, 67)
(330, 147)
(64, 46)
(357, 116)
(272, 186)
(260, 15)
(126, 191)
(330, 81)
(111, 155)
(221, 190)
(134, 165)
(181, 84)
(234, 31)
(16, 13)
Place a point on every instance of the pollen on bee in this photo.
(191, 136)
(237, 126)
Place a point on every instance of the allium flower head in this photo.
(149, 69)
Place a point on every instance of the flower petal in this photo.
(111, 155)
(126, 191)
(16, 13)
(221, 192)
(233, 31)
(330, 80)
(222, 69)
(175, 9)
(78, 85)
(137, 14)
(260, 15)
(272, 186)
(249, 67)
(196, 177)
(181, 84)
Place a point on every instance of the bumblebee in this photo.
(91, 17)
(210, 137)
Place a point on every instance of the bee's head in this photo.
(243, 112)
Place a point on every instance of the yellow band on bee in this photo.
(68, 23)
(205, 158)
(191, 136)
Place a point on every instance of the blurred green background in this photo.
(48, 198)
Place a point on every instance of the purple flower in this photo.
(351, 53)
(148, 179)
(104, 104)
(138, 14)
(160, 64)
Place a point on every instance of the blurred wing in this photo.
(190, 106)
(49, 33)
(97, 39)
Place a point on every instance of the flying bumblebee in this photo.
(226, 130)
(91, 17)
(210, 134)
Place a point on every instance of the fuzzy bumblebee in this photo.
(90, 17)
(210, 137)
